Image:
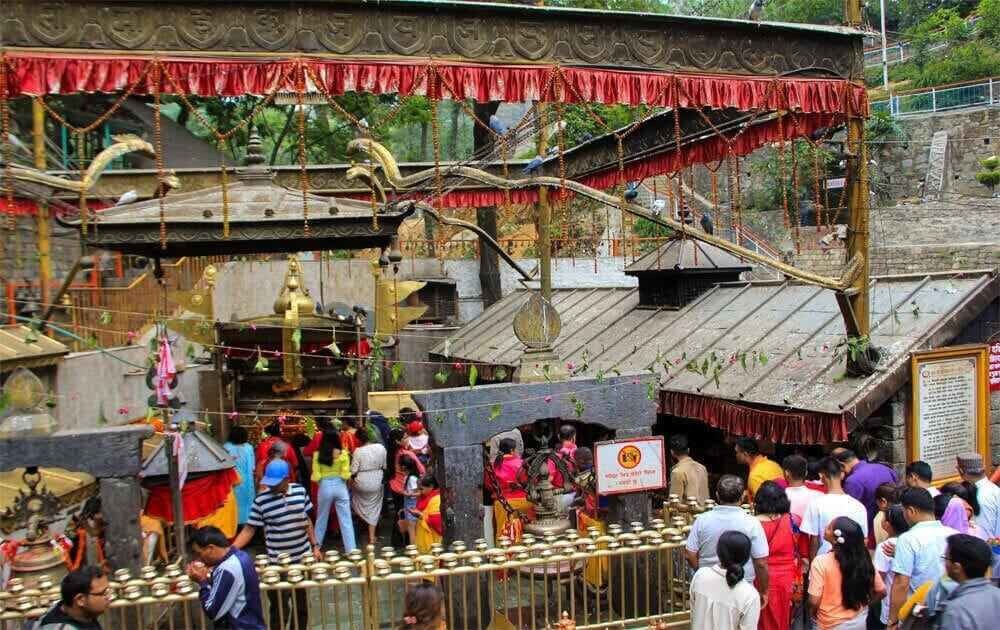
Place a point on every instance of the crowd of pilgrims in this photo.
(841, 543)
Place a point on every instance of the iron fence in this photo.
(937, 99)
(618, 578)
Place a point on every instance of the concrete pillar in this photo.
(121, 502)
(898, 454)
(626, 508)
(460, 474)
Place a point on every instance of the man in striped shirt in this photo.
(282, 509)
(231, 594)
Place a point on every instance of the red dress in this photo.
(782, 563)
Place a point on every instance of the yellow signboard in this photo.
(949, 407)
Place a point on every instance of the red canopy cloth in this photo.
(711, 149)
(49, 73)
(200, 497)
(792, 427)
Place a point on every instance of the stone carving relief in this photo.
(455, 32)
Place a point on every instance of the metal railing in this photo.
(982, 93)
(623, 578)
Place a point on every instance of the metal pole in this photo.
(42, 218)
(175, 489)
(544, 212)
(885, 55)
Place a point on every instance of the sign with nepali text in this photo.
(632, 465)
(950, 407)
(994, 366)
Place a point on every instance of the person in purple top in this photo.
(863, 479)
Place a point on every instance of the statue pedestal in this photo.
(540, 365)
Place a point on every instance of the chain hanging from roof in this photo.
(7, 146)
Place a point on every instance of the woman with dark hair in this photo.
(894, 525)
(243, 457)
(430, 526)
(720, 598)
(843, 582)
(957, 506)
(771, 505)
(423, 608)
(331, 468)
(367, 471)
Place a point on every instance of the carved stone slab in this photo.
(459, 31)
(618, 402)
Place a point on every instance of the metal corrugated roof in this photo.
(16, 351)
(687, 254)
(796, 327)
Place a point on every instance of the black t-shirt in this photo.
(56, 619)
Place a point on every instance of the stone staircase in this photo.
(937, 166)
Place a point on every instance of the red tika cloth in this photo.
(798, 427)
(49, 73)
(200, 497)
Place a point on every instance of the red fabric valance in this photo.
(791, 427)
(200, 497)
(707, 151)
(37, 73)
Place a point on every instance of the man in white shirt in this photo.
(970, 467)
(919, 475)
(795, 468)
(829, 506)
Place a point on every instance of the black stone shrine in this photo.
(617, 403)
(114, 457)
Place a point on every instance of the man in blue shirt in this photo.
(918, 553)
(703, 539)
(975, 601)
(229, 588)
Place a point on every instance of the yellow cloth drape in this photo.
(224, 518)
(595, 572)
(524, 506)
(425, 536)
(152, 525)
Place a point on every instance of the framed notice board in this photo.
(950, 407)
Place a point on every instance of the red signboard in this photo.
(995, 366)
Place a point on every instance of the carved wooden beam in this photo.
(461, 31)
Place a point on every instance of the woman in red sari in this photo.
(772, 508)
(509, 471)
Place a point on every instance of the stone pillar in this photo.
(626, 508)
(898, 453)
(121, 502)
(461, 477)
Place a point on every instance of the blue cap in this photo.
(275, 473)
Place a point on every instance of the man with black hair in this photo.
(229, 588)
(567, 441)
(84, 597)
(834, 503)
(862, 478)
(761, 468)
(918, 474)
(688, 478)
(795, 469)
(975, 600)
(703, 539)
(916, 558)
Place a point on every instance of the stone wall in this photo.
(19, 260)
(972, 135)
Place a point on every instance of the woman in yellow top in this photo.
(430, 527)
(331, 469)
